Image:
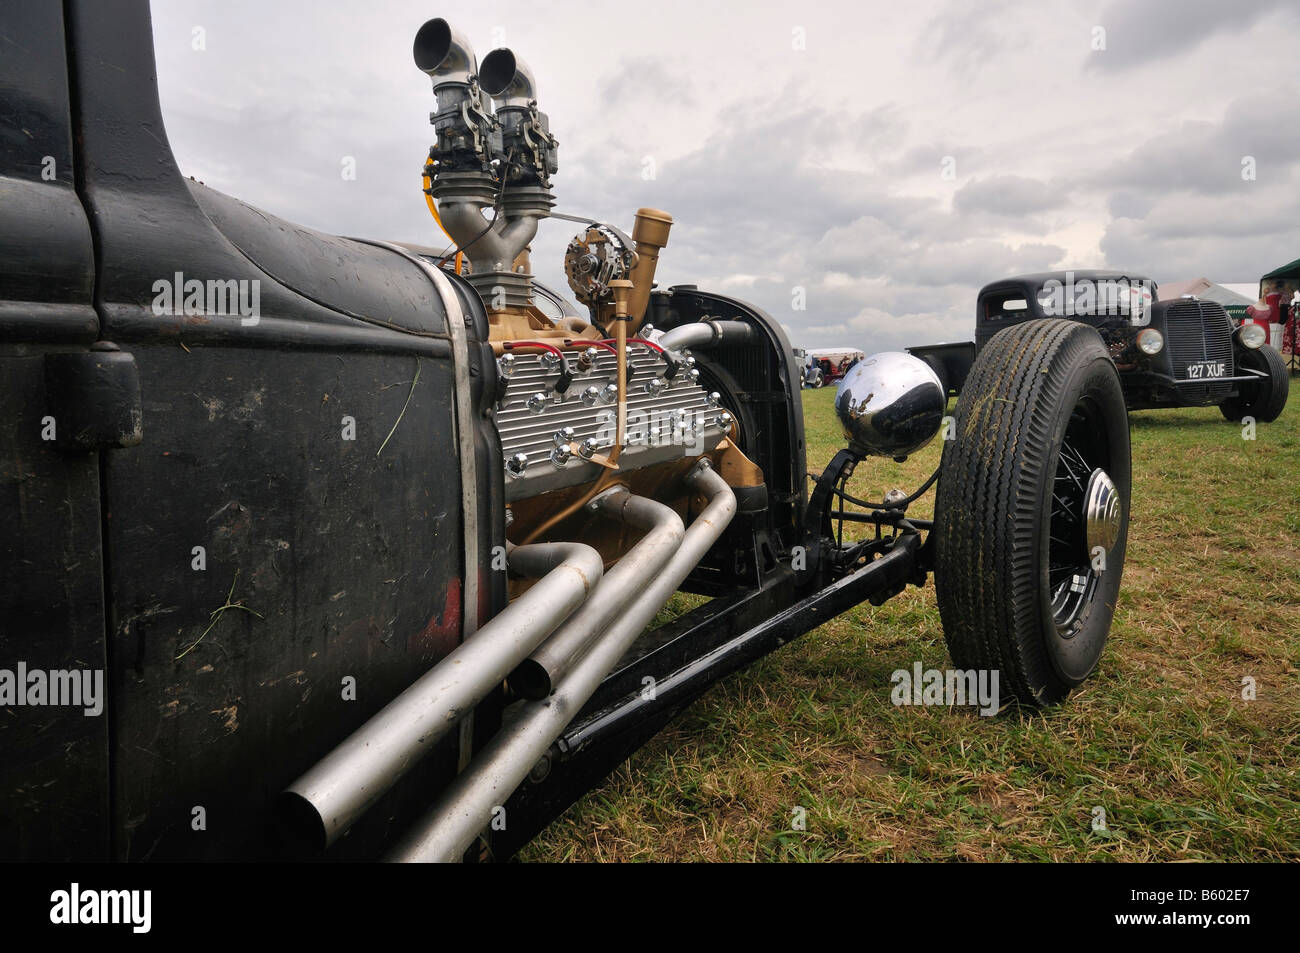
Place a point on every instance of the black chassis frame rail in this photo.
(685, 657)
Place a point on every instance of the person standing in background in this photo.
(1265, 311)
(1293, 319)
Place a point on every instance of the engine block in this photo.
(551, 440)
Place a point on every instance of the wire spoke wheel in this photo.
(1072, 575)
(1031, 512)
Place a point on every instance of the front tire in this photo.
(1031, 514)
(1266, 399)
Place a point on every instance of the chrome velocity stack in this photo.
(483, 159)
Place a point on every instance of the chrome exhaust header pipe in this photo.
(537, 676)
(536, 679)
(322, 804)
(463, 811)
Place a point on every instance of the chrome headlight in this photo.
(1252, 335)
(1150, 341)
(891, 404)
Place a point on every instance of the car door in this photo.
(54, 785)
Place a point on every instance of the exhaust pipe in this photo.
(322, 804)
(462, 812)
(537, 675)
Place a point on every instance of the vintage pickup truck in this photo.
(1179, 352)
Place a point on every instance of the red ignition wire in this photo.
(512, 345)
(650, 344)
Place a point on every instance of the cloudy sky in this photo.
(887, 158)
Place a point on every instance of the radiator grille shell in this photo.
(1195, 332)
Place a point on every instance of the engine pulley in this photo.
(593, 259)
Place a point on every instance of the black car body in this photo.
(262, 528)
(1202, 361)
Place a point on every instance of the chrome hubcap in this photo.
(1102, 512)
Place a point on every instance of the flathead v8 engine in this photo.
(559, 425)
(653, 444)
(580, 403)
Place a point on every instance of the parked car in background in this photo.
(1183, 352)
(834, 362)
(810, 374)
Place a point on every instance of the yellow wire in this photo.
(433, 210)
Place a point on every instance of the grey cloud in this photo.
(1129, 203)
(1205, 156)
(777, 174)
(1192, 157)
(1142, 32)
(972, 263)
(1008, 195)
(1195, 254)
(965, 35)
(1181, 207)
(1230, 237)
(1247, 215)
(643, 77)
(928, 160)
(745, 206)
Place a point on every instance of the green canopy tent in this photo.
(1286, 271)
(1286, 281)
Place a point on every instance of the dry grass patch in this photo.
(1160, 739)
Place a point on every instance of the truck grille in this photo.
(1197, 331)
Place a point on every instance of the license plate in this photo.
(1207, 369)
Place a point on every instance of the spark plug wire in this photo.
(566, 376)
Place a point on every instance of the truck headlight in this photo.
(1150, 341)
(1252, 335)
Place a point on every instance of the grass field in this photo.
(1160, 738)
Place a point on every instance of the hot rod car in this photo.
(1183, 352)
(363, 541)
